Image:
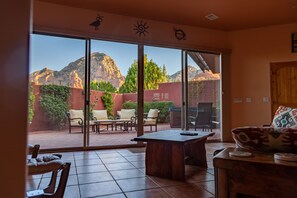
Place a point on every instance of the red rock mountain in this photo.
(103, 68)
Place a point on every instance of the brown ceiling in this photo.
(233, 14)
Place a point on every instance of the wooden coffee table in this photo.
(167, 152)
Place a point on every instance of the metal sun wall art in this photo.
(141, 28)
(97, 22)
(179, 34)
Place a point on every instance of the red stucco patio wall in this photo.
(166, 92)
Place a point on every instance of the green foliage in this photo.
(102, 86)
(54, 101)
(130, 84)
(162, 106)
(153, 75)
(31, 104)
(108, 103)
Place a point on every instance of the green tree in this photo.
(153, 75)
(102, 86)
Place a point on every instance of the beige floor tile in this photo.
(187, 191)
(125, 174)
(134, 184)
(99, 189)
(152, 193)
(94, 177)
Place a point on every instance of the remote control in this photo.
(188, 133)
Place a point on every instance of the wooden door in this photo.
(283, 85)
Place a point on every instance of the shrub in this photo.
(31, 104)
(108, 103)
(162, 106)
(54, 101)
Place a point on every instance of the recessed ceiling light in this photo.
(211, 17)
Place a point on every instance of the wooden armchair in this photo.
(45, 164)
(50, 163)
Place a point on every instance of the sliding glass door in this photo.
(57, 75)
(162, 89)
(203, 92)
(113, 93)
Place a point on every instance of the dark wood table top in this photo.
(257, 157)
(173, 136)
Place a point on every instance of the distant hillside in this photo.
(176, 77)
(194, 75)
(103, 68)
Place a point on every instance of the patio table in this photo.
(124, 122)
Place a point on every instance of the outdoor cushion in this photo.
(266, 139)
(100, 114)
(151, 117)
(127, 113)
(153, 113)
(76, 114)
(285, 117)
(149, 121)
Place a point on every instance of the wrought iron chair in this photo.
(203, 118)
(76, 119)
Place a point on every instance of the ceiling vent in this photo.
(211, 17)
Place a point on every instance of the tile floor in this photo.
(121, 173)
(62, 139)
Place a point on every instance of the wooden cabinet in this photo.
(256, 176)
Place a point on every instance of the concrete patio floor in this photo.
(62, 139)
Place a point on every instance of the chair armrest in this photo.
(192, 118)
(133, 119)
(80, 121)
(33, 150)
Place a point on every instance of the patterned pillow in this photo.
(266, 139)
(285, 117)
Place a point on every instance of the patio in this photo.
(62, 139)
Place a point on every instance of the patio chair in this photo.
(151, 119)
(126, 119)
(76, 119)
(203, 118)
(101, 115)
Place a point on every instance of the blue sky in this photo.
(57, 52)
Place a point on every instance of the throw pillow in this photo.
(285, 117)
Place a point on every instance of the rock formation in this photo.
(103, 68)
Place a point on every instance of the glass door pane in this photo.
(163, 89)
(113, 97)
(57, 75)
(204, 102)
